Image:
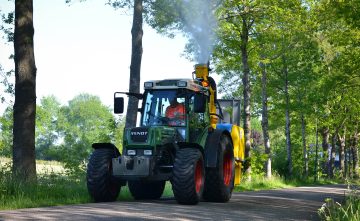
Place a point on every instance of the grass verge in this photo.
(261, 183)
(51, 189)
(348, 211)
(258, 182)
(55, 188)
(48, 191)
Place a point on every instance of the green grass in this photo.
(53, 188)
(168, 190)
(258, 182)
(262, 183)
(348, 211)
(49, 191)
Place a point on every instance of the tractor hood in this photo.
(148, 137)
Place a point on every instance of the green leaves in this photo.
(316, 43)
(83, 122)
(66, 132)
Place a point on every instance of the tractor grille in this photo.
(139, 134)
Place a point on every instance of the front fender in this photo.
(106, 146)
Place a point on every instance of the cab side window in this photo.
(197, 121)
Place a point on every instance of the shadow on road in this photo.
(299, 203)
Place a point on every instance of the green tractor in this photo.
(196, 150)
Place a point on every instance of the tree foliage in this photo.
(66, 132)
(311, 61)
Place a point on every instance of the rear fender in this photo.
(211, 147)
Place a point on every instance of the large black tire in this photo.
(146, 189)
(101, 186)
(188, 176)
(219, 181)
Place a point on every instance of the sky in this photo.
(86, 48)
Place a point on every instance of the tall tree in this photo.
(355, 152)
(25, 92)
(265, 120)
(136, 54)
(287, 114)
(237, 20)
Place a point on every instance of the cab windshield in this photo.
(164, 107)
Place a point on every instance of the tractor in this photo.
(200, 151)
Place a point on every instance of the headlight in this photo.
(147, 152)
(182, 133)
(181, 83)
(131, 152)
(148, 84)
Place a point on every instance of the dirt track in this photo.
(299, 203)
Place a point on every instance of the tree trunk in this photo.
(247, 94)
(316, 151)
(349, 161)
(136, 54)
(264, 121)
(305, 154)
(287, 116)
(332, 155)
(355, 154)
(349, 155)
(24, 165)
(342, 154)
(325, 147)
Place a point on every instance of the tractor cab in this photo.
(175, 103)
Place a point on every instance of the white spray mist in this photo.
(199, 20)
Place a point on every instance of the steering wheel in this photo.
(161, 120)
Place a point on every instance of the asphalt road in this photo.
(299, 203)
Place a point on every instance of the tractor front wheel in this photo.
(219, 181)
(146, 189)
(188, 176)
(101, 186)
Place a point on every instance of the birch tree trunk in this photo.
(264, 121)
(342, 154)
(305, 153)
(287, 116)
(325, 147)
(332, 155)
(355, 154)
(316, 151)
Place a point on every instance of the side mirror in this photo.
(199, 103)
(118, 105)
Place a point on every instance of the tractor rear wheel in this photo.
(146, 189)
(188, 176)
(219, 181)
(101, 186)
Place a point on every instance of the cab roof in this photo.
(191, 84)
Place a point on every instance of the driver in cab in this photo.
(176, 113)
